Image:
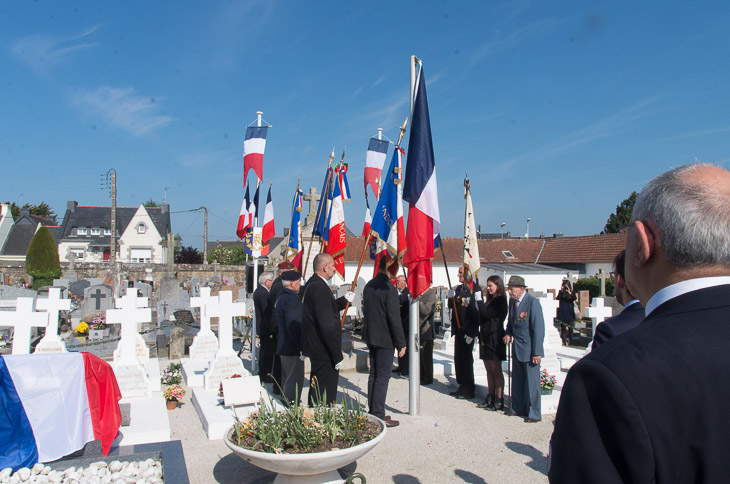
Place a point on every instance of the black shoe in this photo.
(456, 392)
(498, 404)
(487, 402)
(492, 404)
(465, 396)
(531, 420)
(396, 369)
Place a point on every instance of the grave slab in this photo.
(148, 418)
(216, 418)
(193, 371)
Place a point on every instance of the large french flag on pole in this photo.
(337, 237)
(253, 151)
(374, 160)
(268, 230)
(294, 245)
(420, 191)
(320, 221)
(51, 405)
(368, 217)
(387, 224)
(244, 218)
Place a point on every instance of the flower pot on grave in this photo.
(314, 467)
(546, 391)
(171, 404)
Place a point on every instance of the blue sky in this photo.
(557, 110)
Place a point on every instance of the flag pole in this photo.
(316, 219)
(367, 241)
(323, 247)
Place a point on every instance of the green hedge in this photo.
(41, 259)
(593, 286)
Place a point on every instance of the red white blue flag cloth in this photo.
(374, 160)
(368, 217)
(320, 220)
(337, 234)
(420, 191)
(245, 219)
(53, 404)
(253, 151)
(341, 171)
(294, 244)
(387, 225)
(268, 230)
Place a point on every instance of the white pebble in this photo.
(115, 466)
(46, 470)
(5, 474)
(37, 468)
(23, 473)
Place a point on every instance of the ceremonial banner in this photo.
(368, 217)
(337, 238)
(53, 404)
(268, 230)
(421, 192)
(319, 229)
(374, 160)
(253, 151)
(294, 245)
(471, 245)
(387, 225)
(244, 219)
(341, 177)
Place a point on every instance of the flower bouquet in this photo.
(98, 322)
(172, 374)
(82, 329)
(173, 394)
(547, 382)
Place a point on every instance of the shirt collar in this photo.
(683, 287)
(631, 303)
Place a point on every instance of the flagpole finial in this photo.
(402, 131)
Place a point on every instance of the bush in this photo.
(593, 286)
(41, 259)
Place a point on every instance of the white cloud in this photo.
(42, 53)
(123, 108)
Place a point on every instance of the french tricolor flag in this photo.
(245, 219)
(368, 217)
(253, 151)
(420, 191)
(51, 405)
(268, 230)
(374, 160)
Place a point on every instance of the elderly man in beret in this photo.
(526, 330)
(289, 346)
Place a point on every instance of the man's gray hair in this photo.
(287, 284)
(265, 276)
(693, 220)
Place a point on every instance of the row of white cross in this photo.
(131, 310)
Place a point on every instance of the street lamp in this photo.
(528, 228)
(501, 228)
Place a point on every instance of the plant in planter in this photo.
(99, 322)
(82, 329)
(311, 442)
(547, 382)
(173, 394)
(172, 374)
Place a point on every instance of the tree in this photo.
(622, 215)
(593, 286)
(41, 210)
(189, 255)
(229, 256)
(41, 259)
(151, 203)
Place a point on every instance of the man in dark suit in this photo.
(404, 301)
(464, 329)
(633, 312)
(289, 349)
(526, 329)
(382, 331)
(321, 331)
(426, 310)
(651, 405)
(266, 327)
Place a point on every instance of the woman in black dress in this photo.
(492, 349)
(566, 311)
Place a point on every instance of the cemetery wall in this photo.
(15, 271)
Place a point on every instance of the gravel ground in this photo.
(450, 441)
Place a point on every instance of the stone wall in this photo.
(235, 275)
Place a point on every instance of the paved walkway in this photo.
(450, 441)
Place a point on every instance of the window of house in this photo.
(95, 231)
(107, 231)
(78, 253)
(508, 254)
(141, 228)
(82, 231)
(140, 255)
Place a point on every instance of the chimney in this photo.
(71, 205)
(164, 207)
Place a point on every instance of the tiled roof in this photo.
(586, 248)
(100, 217)
(19, 239)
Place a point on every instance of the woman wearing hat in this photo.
(492, 350)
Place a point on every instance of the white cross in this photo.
(53, 305)
(128, 316)
(204, 302)
(226, 310)
(22, 320)
(598, 312)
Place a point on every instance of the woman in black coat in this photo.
(566, 311)
(492, 349)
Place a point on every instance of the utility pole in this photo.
(205, 236)
(113, 255)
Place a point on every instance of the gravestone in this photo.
(144, 288)
(177, 343)
(53, 304)
(22, 320)
(97, 298)
(584, 300)
(598, 312)
(131, 375)
(169, 288)
(95, 281)
(77, 287)
(167, 307)
(226, 362)
(205, 344)
(13, 292)
(61, 283)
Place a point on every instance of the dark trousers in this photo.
(323, 381)
(525, 399)
(464, 363)
(427, 362)
(269, 365)
(292, 375)
(381, 366)
(403, 360)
